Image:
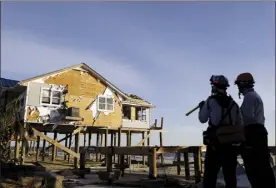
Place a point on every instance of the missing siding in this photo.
(94, 106)
(83, 89)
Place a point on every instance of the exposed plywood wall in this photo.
(83, 89)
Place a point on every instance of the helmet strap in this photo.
(218, 91)
(242, 88)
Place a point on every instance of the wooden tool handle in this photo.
(191, 111)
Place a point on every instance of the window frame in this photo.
(105, 97)
(143, 116)
(51, 96)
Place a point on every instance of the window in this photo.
(51, 97)
(105, 103)
(141, 114)
(56, 97)
(126, 112)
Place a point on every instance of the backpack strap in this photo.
(223, 116)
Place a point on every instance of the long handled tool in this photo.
(191, 111)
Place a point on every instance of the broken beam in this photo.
(68, 136)
(71, 118)
(54, 142)
(172, 149)
(144, 139)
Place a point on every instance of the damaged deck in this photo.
(152, 153)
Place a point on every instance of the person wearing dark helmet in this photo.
(219, 110)
(255, 151)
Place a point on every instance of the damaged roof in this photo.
(129, 99)
(84, 66)
(7, 83)
(135, 100)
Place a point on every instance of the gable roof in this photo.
(81, 65)
(7, 83)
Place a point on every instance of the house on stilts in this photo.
(74, 101)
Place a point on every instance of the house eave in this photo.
(139, 105)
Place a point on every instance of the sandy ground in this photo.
(133, 175)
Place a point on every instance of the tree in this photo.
(11, 125)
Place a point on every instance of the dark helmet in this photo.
(219, 81)
(245, 79)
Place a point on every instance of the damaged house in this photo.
(75, 100)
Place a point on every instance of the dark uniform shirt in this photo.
(252, 108)
(211, 111)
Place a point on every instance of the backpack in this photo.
(229, 133)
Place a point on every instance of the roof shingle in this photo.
(7, 82)
(134, 99)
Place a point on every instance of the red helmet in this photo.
(219, 81)
(245, 78)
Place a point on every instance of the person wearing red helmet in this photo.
(254, 151)
(219, 110)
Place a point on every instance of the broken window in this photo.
(105, 103)
(51, 97)
(126, 112)
(141, 114)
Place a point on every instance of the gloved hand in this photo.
(201, 104)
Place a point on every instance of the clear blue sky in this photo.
(163, 51)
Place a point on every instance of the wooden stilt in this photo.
(23, 145)
(84, 139)
(63, 139)
(148, 143)
(148, 140)
(82, 160)
(178, 163)
(89, 138)
(143, 137)
(153, 165)
(97, 144)
(77, 150)
(70, 145)
(112, 138)
(66, 145)
(115, 138)
(114, 142)
(109, 164)
(30, 146)
(105, 143)
(33, 147)
(54, 148)
(187, 166)
(122, 163)
(196, 153)
(129, 144)
(101, 144)
(44, 148)
(119, 141)
(155, 123)
(161, 140)
(37, 148)
(17, 147)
